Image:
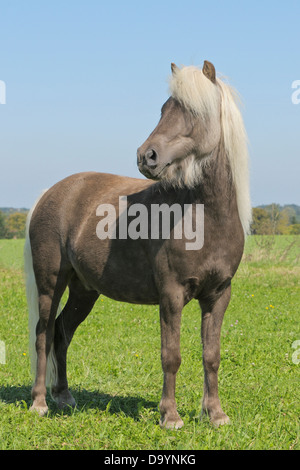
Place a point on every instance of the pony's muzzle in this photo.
(147, 162)
(151, 158)
(150, 164)
(148, 158)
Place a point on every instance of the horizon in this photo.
(81, 86)
(281, 206)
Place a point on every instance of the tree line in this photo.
(12, 223)
(276, 220)
(267, 220)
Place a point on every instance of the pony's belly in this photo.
(121, 280)
(131, 297)
(138, 289)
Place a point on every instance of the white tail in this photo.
(33, 308)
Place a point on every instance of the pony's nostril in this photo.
(151, 157)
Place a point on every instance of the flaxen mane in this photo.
(191, 87)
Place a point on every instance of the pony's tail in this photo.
(33, 308)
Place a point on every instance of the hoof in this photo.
(220, 421)
(40, 410)
(63, 399)
(217, 419)
(171, 423)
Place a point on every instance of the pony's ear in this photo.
(174, 67)
(209, 71)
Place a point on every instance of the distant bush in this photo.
(12, 225)
(275, 220)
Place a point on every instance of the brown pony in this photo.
(197, 156)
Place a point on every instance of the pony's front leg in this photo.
(212, 318)
(170, 318)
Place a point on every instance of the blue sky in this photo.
(85, 81)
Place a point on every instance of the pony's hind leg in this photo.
(50, 292)
(78, 306)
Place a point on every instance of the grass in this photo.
(115, 372)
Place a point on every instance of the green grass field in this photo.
(115, 372)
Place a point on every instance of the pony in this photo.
(196, 155)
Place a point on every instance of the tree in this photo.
(15, 225)
(279, 219)
(294, 229)
(2, 225)
(261, 222)
(283, 223)
(275, 217)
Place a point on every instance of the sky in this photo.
(85, 81)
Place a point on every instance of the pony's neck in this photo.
(209, 182)
(216, 188)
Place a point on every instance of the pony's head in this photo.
(200, 116)
(189, 128)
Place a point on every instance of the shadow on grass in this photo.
(114, 404)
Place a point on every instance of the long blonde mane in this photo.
(195, 91)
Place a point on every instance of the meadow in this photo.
(115, 372)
